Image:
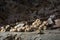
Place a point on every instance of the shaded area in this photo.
(12, 11)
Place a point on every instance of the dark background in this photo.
(12, 11)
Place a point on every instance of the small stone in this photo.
(2, 29)
(27, 29)
(36, 23)
(40, 26)
(19, 25)
(20, 29)
(13, 30)
(7, 26)
(44, 28)
(50, 21)
(44, 22)
(26, 26)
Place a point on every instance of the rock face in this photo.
(27, 10)
(49, 35)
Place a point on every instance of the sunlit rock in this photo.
(2, 29)
(19, 25)
(7, 26)
(13, 30)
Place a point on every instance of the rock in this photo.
(26, 26)
(21, 29)
(13, 30)
(43, 25)
(48, 35)
(2, 29)
(18, 37)
(7, 26)
(36, 23)
(57, 22)
(27, 30)
(19, 25)
(50, 21)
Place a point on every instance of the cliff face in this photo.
(12, 11)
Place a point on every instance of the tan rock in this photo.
(19, 25)
(2, 29)
(7, 26)
(13, 30)
(27, 29)
(23, 28)
(26, 26)
(37, 31)
(36, 23)
(45, 23)
(41, 26)
(19, 29)
(57, 22)
(45, 27)
(33, 26)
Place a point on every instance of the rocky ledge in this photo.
(48, 35)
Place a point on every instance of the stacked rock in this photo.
(37, 25)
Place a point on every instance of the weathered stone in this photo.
(19, 25)
(48, 35)
(13, 29)
(50, 21)
(57, 23)
(36, 23)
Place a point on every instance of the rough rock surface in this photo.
(57, 22)
(48, 35)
